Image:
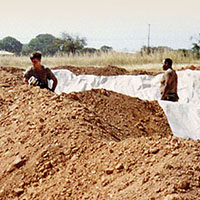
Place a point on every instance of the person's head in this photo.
(36, 58)
(167, 63)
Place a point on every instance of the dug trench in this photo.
(94, 144)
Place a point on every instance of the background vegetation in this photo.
(72, 50)
(130, 61)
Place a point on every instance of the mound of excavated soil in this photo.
(104, 71)
(127, 116)
(95, 144)
(192, 67)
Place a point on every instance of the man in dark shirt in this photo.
(39, 72)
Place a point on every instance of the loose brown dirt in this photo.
(192, 67)
(109, 70)
(95, 144)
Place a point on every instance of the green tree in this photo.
(196, 46)
(11, 44)
(46, 43)
(89, 50)
(72, 44)
(26, 50)
(196, 50)
(106, 48)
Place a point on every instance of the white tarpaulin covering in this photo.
(183, 116)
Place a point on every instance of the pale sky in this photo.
(121, 24)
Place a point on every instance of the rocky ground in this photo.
(95, 144)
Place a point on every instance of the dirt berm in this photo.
(95, 144)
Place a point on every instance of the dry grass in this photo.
(129, 61)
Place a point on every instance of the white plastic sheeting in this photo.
(183, 116)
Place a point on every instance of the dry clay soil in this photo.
(95, 144)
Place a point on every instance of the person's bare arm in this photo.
(165, 92)
(28, 74)
(52, 77)
(55, 82)
(167, 86)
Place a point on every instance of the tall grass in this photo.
(127, 60)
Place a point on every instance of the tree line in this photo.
(50, 45)
(69, 44)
